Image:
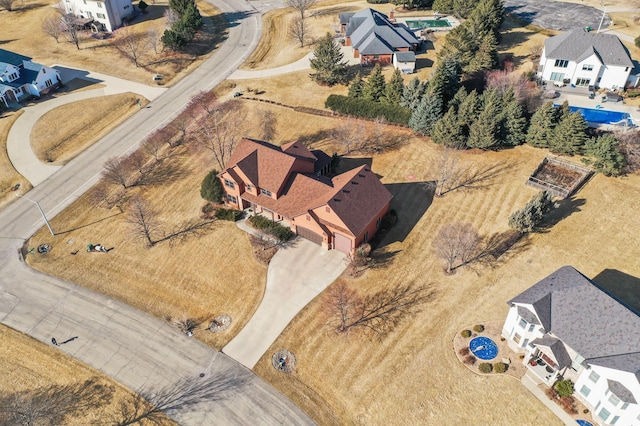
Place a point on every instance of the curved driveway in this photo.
(126, 344)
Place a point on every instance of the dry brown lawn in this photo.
(28, 364)
(56, 139)
(517, 42)
(9, 177)
(20, 32)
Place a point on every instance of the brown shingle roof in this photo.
(297, 149)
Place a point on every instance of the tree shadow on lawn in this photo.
(622, 286)
(565, 208)
(86, 225)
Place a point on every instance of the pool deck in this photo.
(579, 97)
(452, 20)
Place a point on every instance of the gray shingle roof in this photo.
(405, 56)
(529, 316)
(344, 17)
(621, 391)
(585, 318)
(370, 29)
(12, 58)
(557, 349)
(577, 45)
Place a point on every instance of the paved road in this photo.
(126, 344)
(556, 15)
(296, 274)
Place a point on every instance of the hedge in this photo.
(228, 214)
(368, 109)
(282, 233)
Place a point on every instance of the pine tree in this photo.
(459, 98)
(484, 132)
(487, 17)
(463, 8)
(446, 79)
(413, 93)
(485, 57)
(447, 132)
(562, 112)
(532, 214)
(394, 89)
(356, 87)
(514, 124)
(607, 158)
(541, 126)
(468, 111)
(569, 135)
(327, 62)
(426, 115)
(375, 86)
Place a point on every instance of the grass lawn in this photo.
(20, 32)
(28, 364)
(9, 177)
(57, 139)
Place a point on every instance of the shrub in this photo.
(465, 333)
(228, 214)
(360, 107)
(470, 360)
(485, 367)
(528, 218)
(500, 367)
(478, 328)
(281, 233)
(564, 387)
(464, 351)
(260, 222)
(211, 188)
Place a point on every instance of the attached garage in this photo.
(342, 243)
(309, 235)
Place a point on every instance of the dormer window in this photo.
(265, 192)
(249, 187)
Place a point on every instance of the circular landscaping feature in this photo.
(284, 361)
(483, 348)
(220, 323)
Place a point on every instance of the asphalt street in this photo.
(135, 349)
(556, 15)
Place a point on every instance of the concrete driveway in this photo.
(296, 275)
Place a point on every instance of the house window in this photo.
(378, 222)
(557, 76)
(626, 69)
(516, 338)
(90, 15)
(48, 83)
(615, 420)
(604, 414)
(587, 67)
(614, 400)
(577, 363)
(531, 327)
(523, 323)
(594, 377)
(232, 199)
(229, 184)
(100, 5)
(249, 187)
(100, 15)
(561, 63)
(126, 7)
(376, 57)
(265, 192)
(583, 81)
(624, 406)
(366, 237)
(525, 343)
(13, 76)
(585, 390)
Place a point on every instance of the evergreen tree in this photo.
(485, 57)
(460, 42)
(532, 214)
(468, 111)
(463, 8)
(447, 132)
(487, 17)
(446, 79)
(426, 115)
(484, 132)
(394, 89)
(413, 93)
(569, 135)
(458, 98)
(375, 86)
(211, 188)
(541, 126)
(607, 158)
(514, 124)
(445, 6)
(356, 87)
(562, 112)
(327, 62)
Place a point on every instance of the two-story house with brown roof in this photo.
(290, 183)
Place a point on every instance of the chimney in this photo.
(392, 15)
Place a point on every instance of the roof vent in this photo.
(345, 191)
(361, 175)
(353, 182)
(337, 200)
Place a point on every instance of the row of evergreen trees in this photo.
(184, 29)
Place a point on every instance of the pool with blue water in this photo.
(483, 348)
(601, 116)
(583, 423)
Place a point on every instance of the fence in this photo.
(558, 191)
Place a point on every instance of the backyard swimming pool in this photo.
(421, 24)
(583, 423)
(602, 116)
(484, 348)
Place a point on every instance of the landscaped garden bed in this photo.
(559, 177)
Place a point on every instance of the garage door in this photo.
(309, 235)
(342, 243)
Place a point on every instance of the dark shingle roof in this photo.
(12, 58)
(370, 29)
(621, 391)
(577, 45)
(586, 318)
(529, 316)
(557, 349)
(344, 17)
(405, 56)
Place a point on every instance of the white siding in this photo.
(610, 76)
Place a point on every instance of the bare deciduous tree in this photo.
(129, 44)
(536, 50)
(352, 134)
(203, 101)
(222, 131)
(298, 30)
(118, 172)
(70, 25)
(53, 404)
(144, 221)
(154, 35)
(302, 6)
(102, 195)
(457, 244)
(51, 25)
(378, 313)
(268, 124)
(153, 145)
(139, 162)
(630, 148)
(446, 170)
(179, 130)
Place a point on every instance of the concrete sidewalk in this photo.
(299, 65)
(532, 387)
(296, 275)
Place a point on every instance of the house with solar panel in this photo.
(376, 38)
(21, 78)
(582, 58)
(568, 327)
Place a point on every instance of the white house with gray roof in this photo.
(106, 14)
(568, 327)
(21, 78)
(375, 38)
(585, 58)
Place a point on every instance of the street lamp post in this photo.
(41, 212)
